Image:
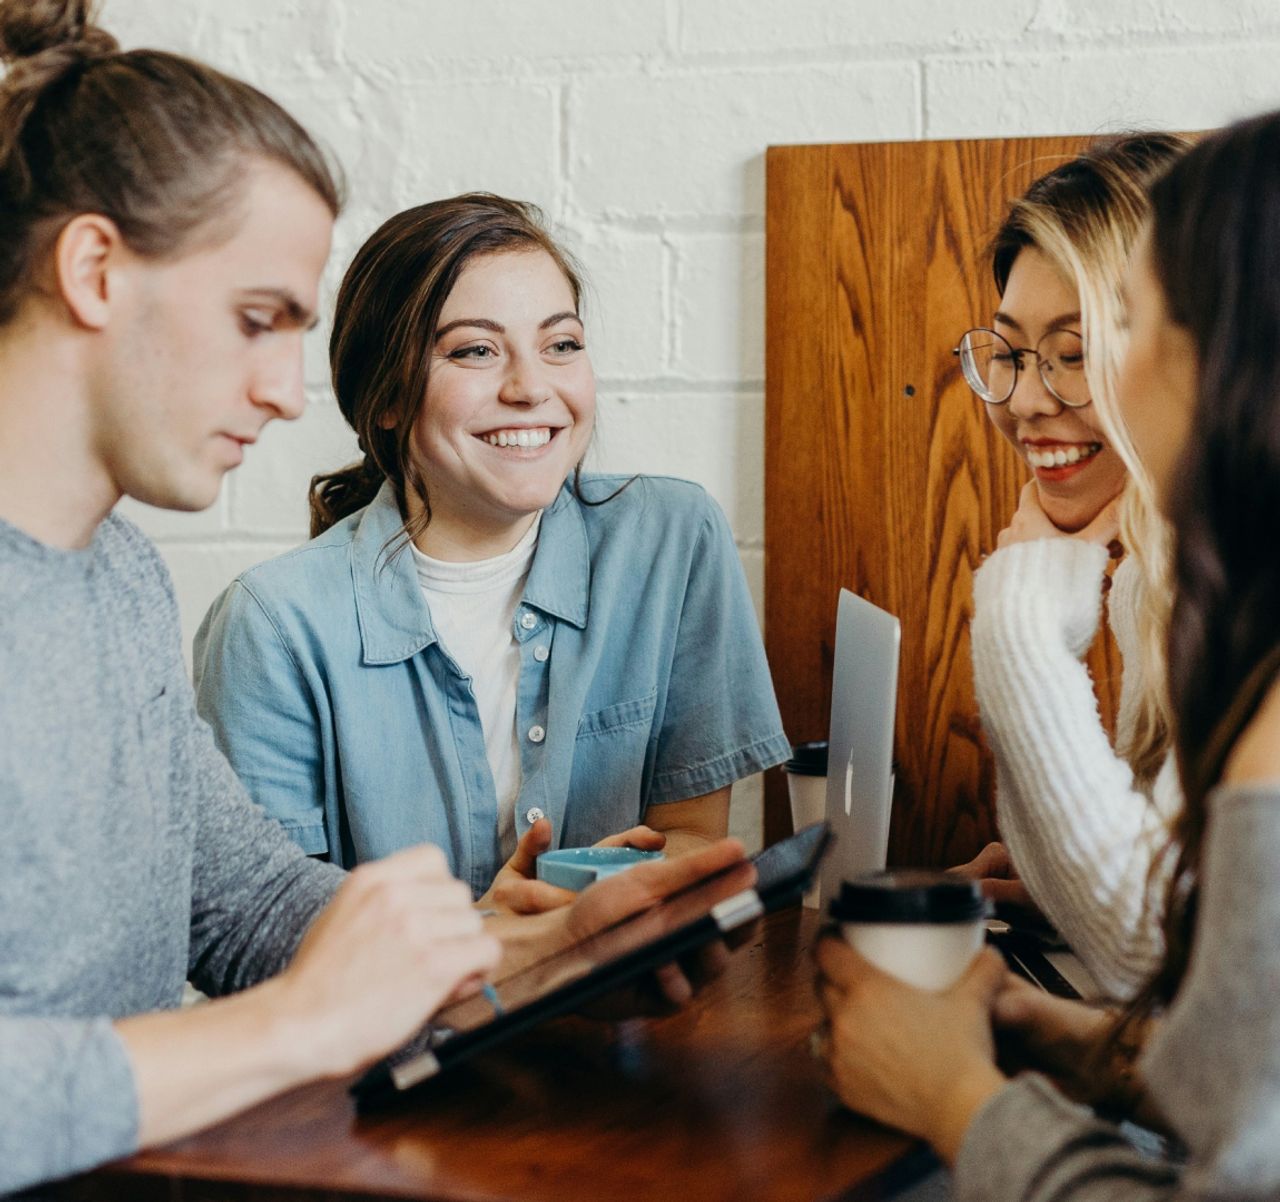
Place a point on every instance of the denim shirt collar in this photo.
(560, 578)
(395, 621)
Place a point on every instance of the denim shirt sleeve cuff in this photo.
(680, 784)
(312, 837)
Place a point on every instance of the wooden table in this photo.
(719, 1102)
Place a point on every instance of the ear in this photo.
(87, 248)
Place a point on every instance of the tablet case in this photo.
(783, 872)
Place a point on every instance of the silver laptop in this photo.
(864, 701)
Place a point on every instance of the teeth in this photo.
(519, 438)
(1062, 456)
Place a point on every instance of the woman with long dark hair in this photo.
(1200, 396)
(484, 646)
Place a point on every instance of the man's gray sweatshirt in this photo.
(130, 856)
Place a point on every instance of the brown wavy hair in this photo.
(1215, 249)
(387, 313)
(154, 141)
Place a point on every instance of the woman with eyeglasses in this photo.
(1081, 818)
(1200, 393)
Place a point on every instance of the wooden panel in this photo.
(882, 472)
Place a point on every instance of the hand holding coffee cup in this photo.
(924, 928)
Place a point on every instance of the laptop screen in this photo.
(864, 700)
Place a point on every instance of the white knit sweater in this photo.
(1080, 832)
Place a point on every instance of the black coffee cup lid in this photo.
(909, 895)
(808, 759)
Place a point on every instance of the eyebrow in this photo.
(485, 323)
(296, 313)
(556, 318)
(1058, 323)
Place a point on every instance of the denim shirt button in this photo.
(542, 654)
(528, 620)
(536, 734)
(533, 815)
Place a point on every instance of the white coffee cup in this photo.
(924, 928)
(807, 786)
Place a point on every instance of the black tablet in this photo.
(1024, 953)
(614, 956)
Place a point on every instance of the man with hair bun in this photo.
(162, 232)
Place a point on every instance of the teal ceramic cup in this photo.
(577, 867)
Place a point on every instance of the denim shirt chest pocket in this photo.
(611, 761)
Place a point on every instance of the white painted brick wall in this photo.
(640, 126)
(685, 142)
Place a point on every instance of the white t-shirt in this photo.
(473, 607)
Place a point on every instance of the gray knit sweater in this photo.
(130, 857)
(1213, 1068)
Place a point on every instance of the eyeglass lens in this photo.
(991, 365)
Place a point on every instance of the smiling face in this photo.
(204, 349)
(1157, 386)
(1075, 469)
(509, 405)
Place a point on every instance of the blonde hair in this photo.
(1085, 217)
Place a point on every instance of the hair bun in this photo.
(31, 27)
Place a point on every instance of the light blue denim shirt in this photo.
(642, 680)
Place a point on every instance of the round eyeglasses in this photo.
(990, 365)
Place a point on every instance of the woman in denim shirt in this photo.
(483, 647)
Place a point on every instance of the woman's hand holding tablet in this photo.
(528, 939)
(641, 942)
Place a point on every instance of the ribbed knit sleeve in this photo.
(1082, 835)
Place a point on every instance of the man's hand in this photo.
(398, 940)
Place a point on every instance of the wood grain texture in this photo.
(882, 473)
(720, 1103)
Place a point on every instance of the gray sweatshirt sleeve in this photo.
(1212, 1068)
(131, 854)
(1029, 1143)
(69, 1100)
(254, 892)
